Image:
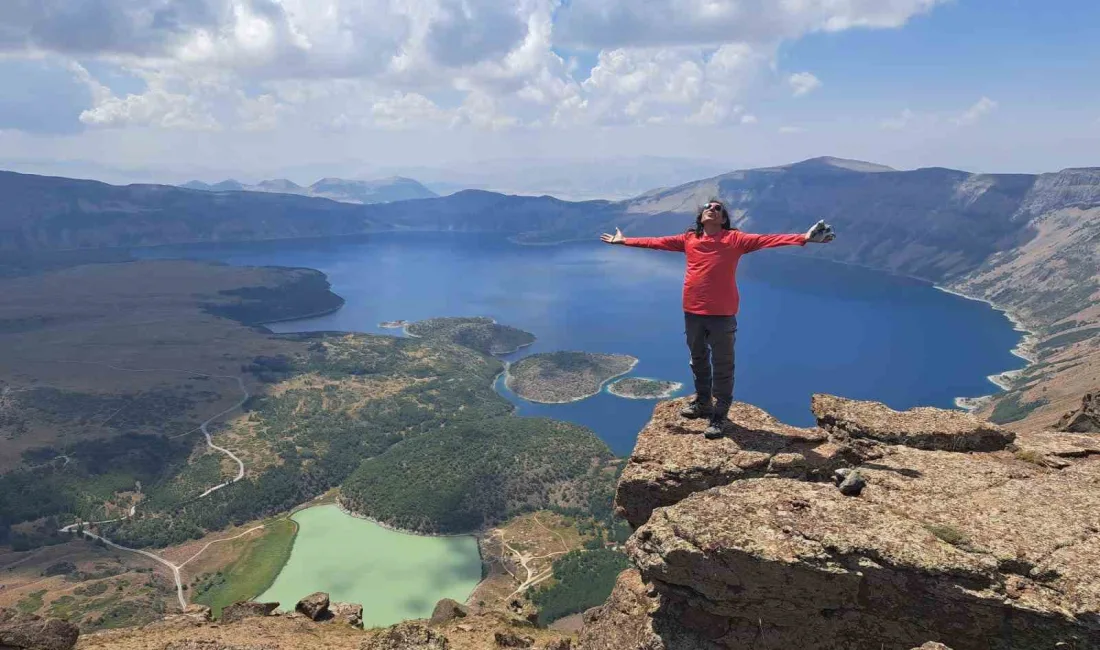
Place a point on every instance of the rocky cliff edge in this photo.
(949, 530)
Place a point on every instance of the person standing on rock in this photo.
(713, 248)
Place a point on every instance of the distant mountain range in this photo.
(1023, 241)
(384, 190)
(933, 223)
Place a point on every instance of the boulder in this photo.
(851, 483)
(348, 613)
(512, 640)
(29, 632)
(315, 605)
(559, 644)
(1085, 419)
(672, 459)
(447, 610)
(246, 609)
(407, 636)
(197, 613)
(932, 645)
(921, 428)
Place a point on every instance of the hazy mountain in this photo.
(934, 223)
(577, 179)
(383, 190)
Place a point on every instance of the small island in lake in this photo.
(393, 324)
(643, 388)
(482, 334)
(560, 377)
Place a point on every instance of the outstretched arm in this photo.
(819, 233)
(671, 243)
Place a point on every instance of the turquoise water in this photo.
(394, 576)
(805, 325)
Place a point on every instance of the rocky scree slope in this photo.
(315, 623)
(965, 534)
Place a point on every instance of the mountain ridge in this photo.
(381, 190)
(1023, 242)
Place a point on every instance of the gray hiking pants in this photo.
(710, 340)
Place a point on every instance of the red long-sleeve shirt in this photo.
(710, 283)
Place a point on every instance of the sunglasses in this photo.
(714, 206)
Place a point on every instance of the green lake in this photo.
(395, 576)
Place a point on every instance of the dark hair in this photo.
(698, 227)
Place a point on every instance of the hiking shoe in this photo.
(696, 409)
(714, 427)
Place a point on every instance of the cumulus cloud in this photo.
(980, 109)
(393, 64)
(803, 83)
(619, 23)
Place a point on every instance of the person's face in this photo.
(712, 213)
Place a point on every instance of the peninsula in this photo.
(643, 388)
(560, 377)
(479, 333)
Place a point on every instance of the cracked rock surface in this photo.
(963, 534)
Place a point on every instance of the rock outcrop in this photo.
(20, 631)
(672, 459)
(347, 613)
(1085, 419)
(408, 636)
(922, 428)
(315, 606)
(981, 550)
(246, 609)
(447, 609)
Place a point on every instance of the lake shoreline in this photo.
(676, 387)
(599, 389)
(1024, 349)
(405, 331)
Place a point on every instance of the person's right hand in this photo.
(617, 238)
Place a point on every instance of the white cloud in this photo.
(618, 23)
(397, 64)
(901, 121)
(803, 83)
(787, 130)
(980, 109)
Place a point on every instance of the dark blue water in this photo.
(805, 326)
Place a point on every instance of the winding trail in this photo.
(204, 427)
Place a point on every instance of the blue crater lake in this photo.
(805, 325)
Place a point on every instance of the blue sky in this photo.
(252, 88)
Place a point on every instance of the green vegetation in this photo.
(1061, 327)
(31, 603)
(252, 573)
(582, 579)
(1011, 409)
(104, 468)
(1069, 338)
(465, 477)
(642, 388)
(307, 293)
(479, 333)
(556, 377)
(321, 428)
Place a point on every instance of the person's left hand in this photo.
(820, 233)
